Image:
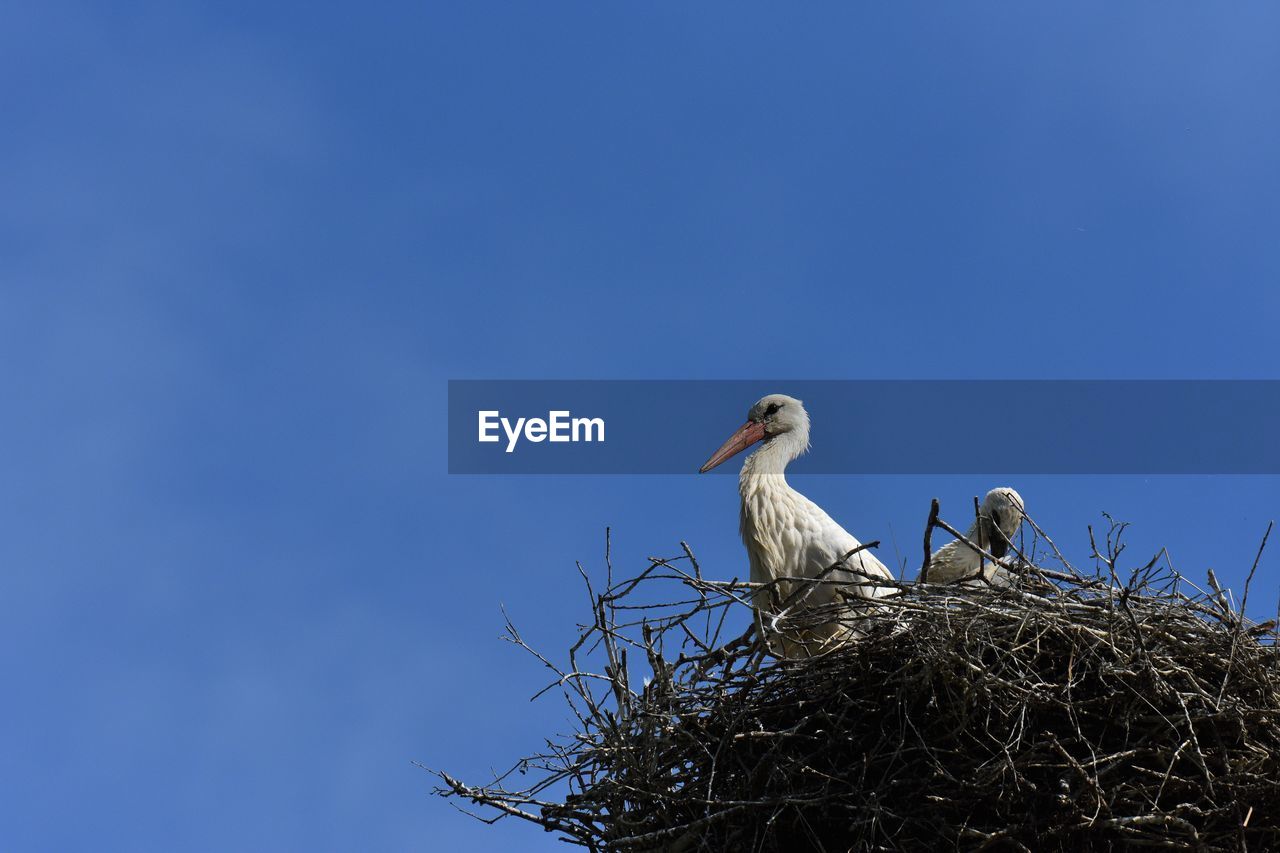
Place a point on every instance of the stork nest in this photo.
(1078, 712)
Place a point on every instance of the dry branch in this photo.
(1092, 713)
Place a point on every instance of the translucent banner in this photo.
(871, 426)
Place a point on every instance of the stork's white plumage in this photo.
(786, 534)
(999, 518)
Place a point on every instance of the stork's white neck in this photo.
(774, 455)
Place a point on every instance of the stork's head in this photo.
(1000, 517)
(770, 418)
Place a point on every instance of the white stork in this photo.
(999, 518)
(786, 534)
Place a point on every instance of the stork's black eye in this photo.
(773, 407)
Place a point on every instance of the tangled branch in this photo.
(1085, 711)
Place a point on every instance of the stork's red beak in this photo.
(747, 435)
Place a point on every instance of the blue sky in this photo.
(244, 247)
